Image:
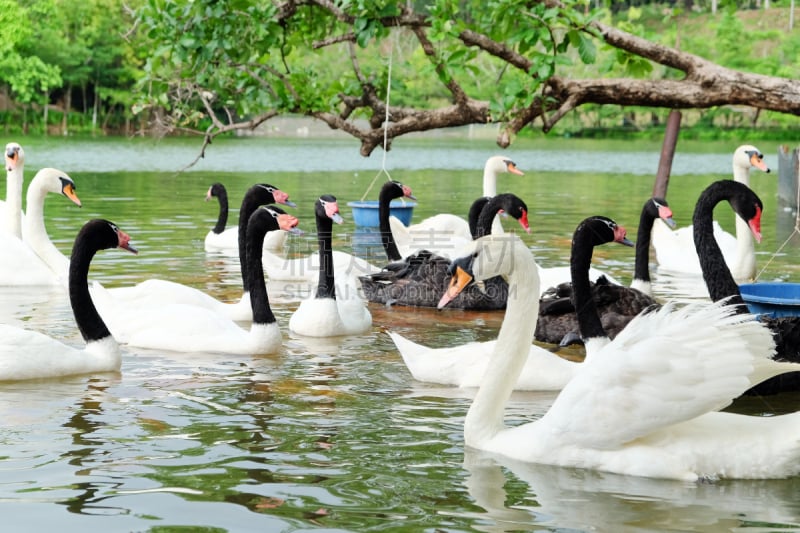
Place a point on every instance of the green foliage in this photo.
(247, 57)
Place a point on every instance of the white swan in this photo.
(35, 260)
(154, 292)
(34, 233)
(26, 354)
(12, 207)
(226, 240)
(187, 328)
(647, 404)
(444, 233)
(330, 312)
(675, 250)
(464, 365)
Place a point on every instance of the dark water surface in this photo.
(333, 434)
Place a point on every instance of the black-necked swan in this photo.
(444, 232)
(188, 328)
(675, 250)
(330, 312)
(419, 279)
(26, 354)
(719, 279)
(226, 240)
(464, 365)
(157, 292)
(616, 304)
(647, 403)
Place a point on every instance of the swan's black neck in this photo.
(261, 221)
(641, 266)
(389, 192)
(222, 196)
(95, 235)
(257, 195)
(716, 274)
(474, 214)
(583, 243)
(326, 287)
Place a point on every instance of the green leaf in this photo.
(587, 50)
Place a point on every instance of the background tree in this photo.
(28, 78)
(237, 64)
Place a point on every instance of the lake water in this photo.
(334, 434)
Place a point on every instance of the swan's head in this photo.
(600, 230)
(123, 239)
(395, 189)
(15, 156)
(279, 219)
(658, 207)
(216, 190)
(55, 181)
(278, 196)
(513, 205)
(748, 205)
(500, 163)
(748, 156)
(489, 256)
(103, 234)
(326, 206)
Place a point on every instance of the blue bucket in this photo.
(774, 299)
(365, 213)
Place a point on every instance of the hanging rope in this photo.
(796, 222)
(385, 127)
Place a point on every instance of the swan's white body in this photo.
(647, 403)
(327, 317)
(185, 328)
(675, 251)
(465, 365)
(445, 234)
(158, 292)
(26, 354)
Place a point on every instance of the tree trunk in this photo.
(46, 112)
(67, 107)
(95, 105)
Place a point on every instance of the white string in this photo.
(385, 127)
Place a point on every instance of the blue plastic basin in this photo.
(365, 213)
(772, 298)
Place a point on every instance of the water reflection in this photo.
(584, 500)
